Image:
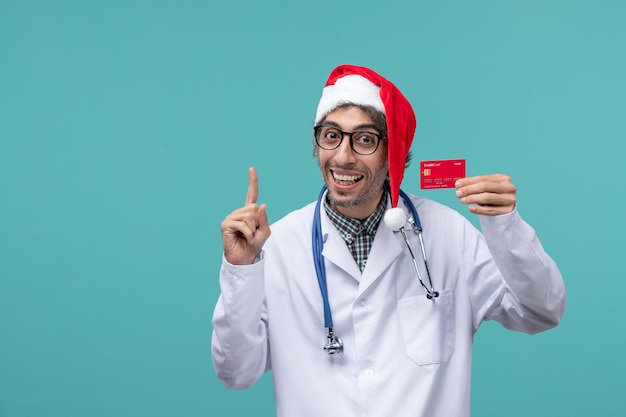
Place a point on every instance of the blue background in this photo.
(126, 131)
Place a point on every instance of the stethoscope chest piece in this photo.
(334, 345)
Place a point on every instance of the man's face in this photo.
(355, 182)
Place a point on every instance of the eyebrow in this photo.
(359, 128)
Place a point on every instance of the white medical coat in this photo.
(405, 355)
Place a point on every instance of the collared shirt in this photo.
(359, 235)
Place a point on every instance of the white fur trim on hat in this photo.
(349, 89)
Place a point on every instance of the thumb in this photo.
(264, 226)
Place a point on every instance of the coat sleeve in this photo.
(239, 345)
(533, 297)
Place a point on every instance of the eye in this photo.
(365, 139)
(330, 134)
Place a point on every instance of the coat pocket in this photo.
(428, 327)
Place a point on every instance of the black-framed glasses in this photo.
(361, 142)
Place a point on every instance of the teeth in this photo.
(346, 178)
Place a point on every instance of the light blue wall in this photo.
(126, 128)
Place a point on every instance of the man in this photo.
(340, 305)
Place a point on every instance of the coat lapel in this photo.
(385, 250)
(335, 249)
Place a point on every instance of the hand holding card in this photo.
(491, 194)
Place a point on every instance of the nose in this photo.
(345, 153)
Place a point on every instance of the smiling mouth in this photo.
(346, 179)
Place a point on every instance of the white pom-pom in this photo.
(395, 218)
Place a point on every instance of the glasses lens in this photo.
(364, 143)
(328, 137)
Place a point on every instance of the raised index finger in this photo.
(253, 187)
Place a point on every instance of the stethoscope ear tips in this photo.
(395, 218)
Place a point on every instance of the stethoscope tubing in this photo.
(335, 346)
(318, 260)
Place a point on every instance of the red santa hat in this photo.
(362, 86)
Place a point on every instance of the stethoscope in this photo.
(334, 344)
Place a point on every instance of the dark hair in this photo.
(378, 119)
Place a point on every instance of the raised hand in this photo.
(487, 194)
(245, 230)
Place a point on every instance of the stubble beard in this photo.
(365, 195)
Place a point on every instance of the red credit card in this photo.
(441, 174)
